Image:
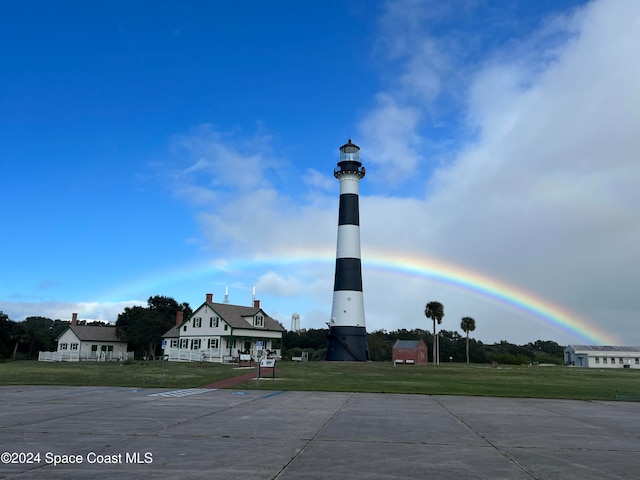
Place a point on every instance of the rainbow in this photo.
(499, 292)
(418, 266)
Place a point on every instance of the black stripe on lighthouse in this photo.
(349, 213)
(348, 275)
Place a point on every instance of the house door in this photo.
(247, 346)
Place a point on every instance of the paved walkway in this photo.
(102, 433)
(230, 382)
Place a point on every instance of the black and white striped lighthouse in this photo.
(347, 330)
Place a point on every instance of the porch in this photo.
(216, 355)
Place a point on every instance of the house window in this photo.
(604, 360)
(63, 346)
(597, 360)
(213, 322)
(613, 360)
(110, 348)
(637, 361)
(226, 326)
(620, 360)
(231, 342)
(184, 342)
(259, 321)
(197, 322)
(213, 343)
(174, 343)
(195, 344)
(74, 346)
(184, 329)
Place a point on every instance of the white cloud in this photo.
(545, 197)
(104, 311)
(389, 133)
(225, 158)
(316, 179)
(278, 285)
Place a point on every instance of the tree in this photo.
(143, 327)
(435, 311)
(41, 335)
(20, 336)
(7, 327)
(468, 324)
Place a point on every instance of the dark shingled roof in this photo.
(174, 332)
(234, 315)
(90, 332)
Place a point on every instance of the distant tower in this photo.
(295, 322)
(347, 330)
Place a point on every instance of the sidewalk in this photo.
(230, 382)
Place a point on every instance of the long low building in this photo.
(602, 356)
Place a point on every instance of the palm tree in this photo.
(468, 324)
(20, 336)
(435, 311)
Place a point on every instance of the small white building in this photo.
(87, 342)
(219, 332)
(602, 356)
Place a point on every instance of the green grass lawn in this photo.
(445, 379)
(131, 374)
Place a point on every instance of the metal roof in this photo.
(604, 348)
(406, 344)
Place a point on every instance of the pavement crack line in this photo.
(485, 439)
(308, 442)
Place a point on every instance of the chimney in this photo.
(179, 318)
(256, 303)
(74, 319)
(209, 297)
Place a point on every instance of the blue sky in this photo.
(165, 147)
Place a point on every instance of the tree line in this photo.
(452, 347)
(143, 327)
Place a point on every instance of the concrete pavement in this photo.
(114, 432)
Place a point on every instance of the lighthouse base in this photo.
(347, 344)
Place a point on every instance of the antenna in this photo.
(226, 295)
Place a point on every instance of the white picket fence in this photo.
(74, 356)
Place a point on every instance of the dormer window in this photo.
(258, 321)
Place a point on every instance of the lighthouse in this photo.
(347, 330)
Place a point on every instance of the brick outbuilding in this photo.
(410, 352)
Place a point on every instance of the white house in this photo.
(602, 356)
(218, 332)
(87, 342)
